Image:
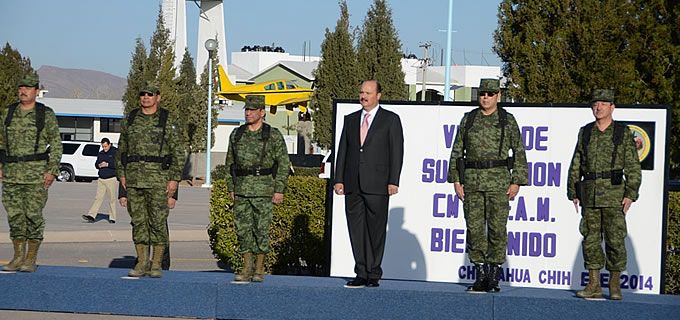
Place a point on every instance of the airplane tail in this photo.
(224, 82)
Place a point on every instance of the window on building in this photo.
(109, 125)
(76, 128)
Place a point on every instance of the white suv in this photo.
(77, 161)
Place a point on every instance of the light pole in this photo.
(447, 72)
(211, 46)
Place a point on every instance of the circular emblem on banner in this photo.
(642, 142)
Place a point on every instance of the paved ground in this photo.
(68, 201)
(29, 315)
(69, 241)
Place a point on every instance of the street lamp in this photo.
(447, 72)
(211, 46)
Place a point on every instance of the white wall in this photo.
(256, 61)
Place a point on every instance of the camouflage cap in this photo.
(150, 87)
(254, 102)
(29, 80)
(606, 95)
(489, 85)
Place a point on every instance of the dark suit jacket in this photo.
(371, 167)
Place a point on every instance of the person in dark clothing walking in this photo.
(107, 183)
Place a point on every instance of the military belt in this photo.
(597, 175)
(136, 158)
(31, 157)
(241, 172)
(485, 164)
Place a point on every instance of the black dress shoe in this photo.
(112, 221)
(356, 283)
(88, 218)
(373, 283)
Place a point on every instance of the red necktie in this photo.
(364, 128)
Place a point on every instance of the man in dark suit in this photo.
(369, 160)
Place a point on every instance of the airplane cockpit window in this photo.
(280, 85)
(269, 86)
(290, 85)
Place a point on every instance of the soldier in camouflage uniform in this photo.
(604, 178)
(258, 162)
(486, 177)
(30, 150)
(149, 166)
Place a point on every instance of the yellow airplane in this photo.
(276, 92)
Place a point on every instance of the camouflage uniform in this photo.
(600, 199)
(23, 192)
(486, 204)
(146, 181)
(149, 156)
(602, 211)
(485, 189)
(253, 193)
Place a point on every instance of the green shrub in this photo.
(219, 173)
(296, 234)
(672, 283)
(306, 171)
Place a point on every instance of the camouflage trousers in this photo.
(253, 216)
(24, 204)
(149, 211)
(486, 218)
(610, 223)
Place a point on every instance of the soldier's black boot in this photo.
(142, 261)
(19, 254)
(494, 274)
(481, 281)
(246, 273)
(31, 255)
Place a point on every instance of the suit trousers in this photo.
(105, 187)
(367, 223)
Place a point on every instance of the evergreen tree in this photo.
(13, 67)
(135, 79)
(674, 18)
(379, 52)
(559, 51)
(166, 81)
(189, 104)
(160, 43)
(335, 77)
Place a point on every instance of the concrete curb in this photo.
(109, 236)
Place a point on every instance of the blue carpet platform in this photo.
(211, 295)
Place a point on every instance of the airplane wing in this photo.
(294, 100)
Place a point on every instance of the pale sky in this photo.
(100, 35)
